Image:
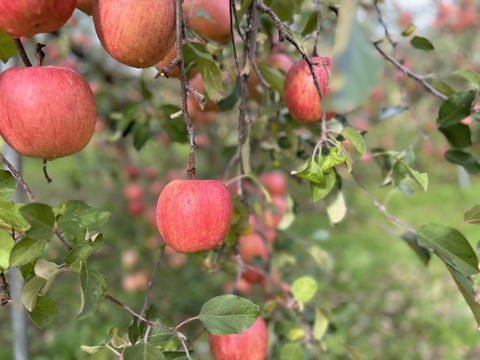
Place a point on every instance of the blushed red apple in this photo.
(136, 33)
(274, 182)
(301, 95)
(46, 112)
(215, 25)
(250, 247)
(194, 215)
(29, 17)
(252, 344)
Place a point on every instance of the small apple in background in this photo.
(301, 95)
(135, 282)
(252, 344)
(243, 286)
(129, 258)
(280, 61)
(85, 6)
(209, 18)
(135, 33)
(250, 247)
(133, 192)
(31, 125)
(175, 259)
(273, 214)
(194, 215)
(131, 171)
(151, 216)
(30, 17)
(274, 182)
(136, 207)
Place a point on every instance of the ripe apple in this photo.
(280, 61)
(194, 215)
(133, 192)
(85, 6)
(135, 33)
(250, 247)
(274, 182)
(30, 17)
(251, 344)
(301, 96)
(209, 18)
(46, 112)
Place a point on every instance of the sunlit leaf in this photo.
(10, 216)
(409, 30)
(7, 47)
(6, 246)
(472, 216)
(292, 351)
(8, 184)
(320, 326)
(304, 288)
(355, 139)
(319, 191)
(336, 206)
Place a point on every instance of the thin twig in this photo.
(19, 178)
(151, 281)
(384, 26)
(409, 73)
(22, 52)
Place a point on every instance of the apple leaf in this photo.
(422, 252)
(7, 47)
(458, 136)
(320, 326)
(420, 178)
(421, 43)
(45, 311)
(143, 351)
(6, 246)
(304, 288)
(212, 78)
(319, 191)
(10, 217)
(273, 76)
(285, 9)
(25, 251)
(92, 349)
(292, 351)
(355, 139)
(409, 30)
(336, 207)
(8, 184)
(76, 215)
(94, 288)
(455, 108)
(311, 171)
(31, 291)
(451, 246)
(443, 87)
(41, 219)
(388, 112)
(466, 160)
(335, 157)
(472, 78)
(472, 216)
(228, 314)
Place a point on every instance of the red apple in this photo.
(273, 215)
(136, 33)
(133, 192)
(209, 18)
(136, 207)
(46, 112)
(251, 344)
(85, 6)
(194, 215)
(250, 247)
(274, 182)
(29, 17)
(301, 96)
(131, 171)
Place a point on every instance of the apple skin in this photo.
(46, 112)
(301, 96)
(194, 215)
(136, 33)
(85, 6)
(217, 26)
(252, 246)
(29, 17)
(252, 344)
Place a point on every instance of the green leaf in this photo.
(472, 216)
(422, 252)
(25, 251)
(451, 246)
(472, 78)
(228, 314)
(443, 87)
(464, 284)
(31, 291)
(355, 139)
(41, 219)
(311, 171)
(229, 101)
(335, 157)
(274, 77)
(311, 24)
(115, 339)
(336, 207)
(455, 108)
(7, 47)
(133, 331)
(159, 336)
(319, 191)
(141, 134)
(304, 288)
(320, 326)
(458, 136)
(391, 111)
(421, 43)
(409, 30)
(420, 178)
(10, 216)
(143, 351)
(8, 184)
(92, 349)
(94, 288)
(6, 246)
(285, 9)
(212, 78)
(77, 215)
(45, 311)
(463, 159)
(48, 271)
(358, 66)
(292, 351)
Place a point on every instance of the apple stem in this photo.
(22, 52)
(40, 54)
(49, 180)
